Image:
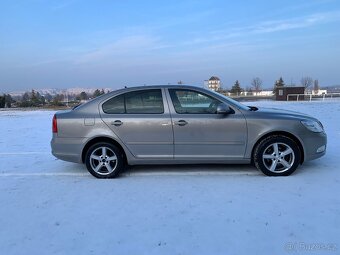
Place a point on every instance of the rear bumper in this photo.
(68, 149)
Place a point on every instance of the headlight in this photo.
(312, 125)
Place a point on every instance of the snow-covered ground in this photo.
(52, 207)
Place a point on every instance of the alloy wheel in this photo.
(278, 157)
(103, 160)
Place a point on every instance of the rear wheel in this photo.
(104, 160)
(277, 156)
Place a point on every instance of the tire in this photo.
(104, 160)
(277, 155)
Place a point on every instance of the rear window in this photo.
(114, 105)
(136, 102)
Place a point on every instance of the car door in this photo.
(142, 121)
(201, 133)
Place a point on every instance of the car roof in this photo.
(127, 89)
(159, 86)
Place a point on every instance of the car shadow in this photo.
(191, 169)
(184, 170)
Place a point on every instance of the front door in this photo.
(142, 121)
(201, 133)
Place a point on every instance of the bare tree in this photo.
(306, 82)
(316, 87)
(256, 83)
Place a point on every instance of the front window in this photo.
(193, 102)
(136, 102)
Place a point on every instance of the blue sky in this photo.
(79, 43)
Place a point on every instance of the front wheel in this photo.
(277, 156)
(104, 160)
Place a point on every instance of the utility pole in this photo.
(66, 98)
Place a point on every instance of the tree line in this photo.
(35, 99)
(6, 101)
(256, 85)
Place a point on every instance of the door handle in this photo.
(116, 123)
(181, 123)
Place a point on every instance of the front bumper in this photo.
(315, 145)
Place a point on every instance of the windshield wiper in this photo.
(253, 108)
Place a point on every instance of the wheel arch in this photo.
(282, 133)
(102, 139)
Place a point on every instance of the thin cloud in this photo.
(132, 47)
(295, 23)
(62, 5)
(270, 26)
(125, 47)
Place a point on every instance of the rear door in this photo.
(142, 121)
(199, 132)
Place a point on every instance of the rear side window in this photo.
(114, 105)
(145, 101)
(136, 102)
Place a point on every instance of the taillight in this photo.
(54, 124)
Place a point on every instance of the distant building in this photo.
(214, 83)
(319, 92)
(282, 92)
(264, 93)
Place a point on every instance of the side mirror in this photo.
(223, 109)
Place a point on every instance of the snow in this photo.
(53, 207)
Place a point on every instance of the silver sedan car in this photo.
(183, 125)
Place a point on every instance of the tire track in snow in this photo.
(23, 153)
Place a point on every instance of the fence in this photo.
(310, 97)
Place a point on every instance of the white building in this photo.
(264, 93)
(214, 83)
(317, 93)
